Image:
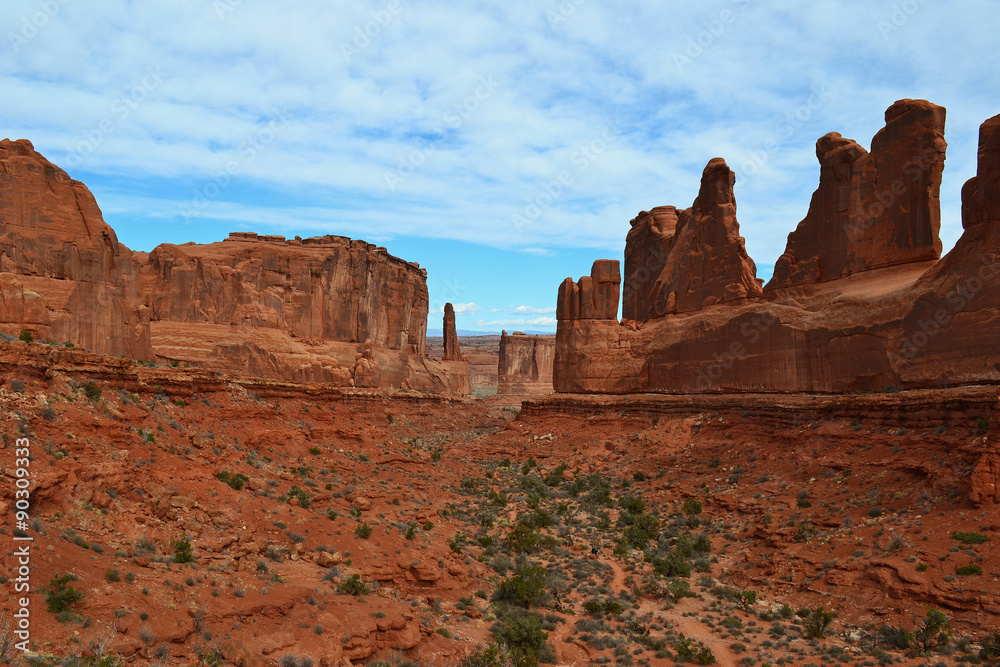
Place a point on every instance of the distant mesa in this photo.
(859, 300)
(325, 309)
(525, 365)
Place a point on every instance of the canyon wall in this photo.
(326, 309)
(525, 365)
(859, 301)
(63, 275)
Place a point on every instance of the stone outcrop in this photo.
(871, 210)
(452, 350)
(594, 297)
(525, 366)
(890, 316)
(63, 275)
(679, 262)
(366, 373)
(298, 310)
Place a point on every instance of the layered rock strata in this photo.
(297, 310)
(525, 365)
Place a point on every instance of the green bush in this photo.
(237, 481)
(60, 595)
(364, 531)
(525, 589)
(353, 586)
(26, 336)
(970, 538)
(818, 623)
(934, 632)
(524, 638)
(91, 391)
(691, 507)
(969, 570)
(182, 551)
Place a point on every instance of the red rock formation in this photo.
(452, 350)
(525, 366)
(366, 371)
(595, 297)
(912, 323)
(875, 209)
(296, 310)
(683, 262)
(649, 242)
(63, 274)
(325, 288)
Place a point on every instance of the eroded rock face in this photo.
(889, 316)
(65, 277)
(330, 287)
(875, 209)
(297, 310)
(594, 297)
(526, 363)
(452, 350)
(366, 372)
(680, 262)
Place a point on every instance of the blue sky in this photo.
(502, 145)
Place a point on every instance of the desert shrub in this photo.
(818, 622)
(671, 565)
(182, 551)
(364, 531)
(26, 336)
(933, 633)
(525, 589)
(237, 481)
(353, 586)
(969, 570)
(895, 637)
(970, 538)
(91, 391)
(60, 595)
(524, 638)
(691, 507)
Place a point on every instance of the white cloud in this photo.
(467, 309)
(599, 99)
(536, 322)
(531, 310)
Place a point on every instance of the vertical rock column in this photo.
(452, 351)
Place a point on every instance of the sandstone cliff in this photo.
(63, 275)
(298, 310)
(525, 366)
(875, 209)
(889, 316)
